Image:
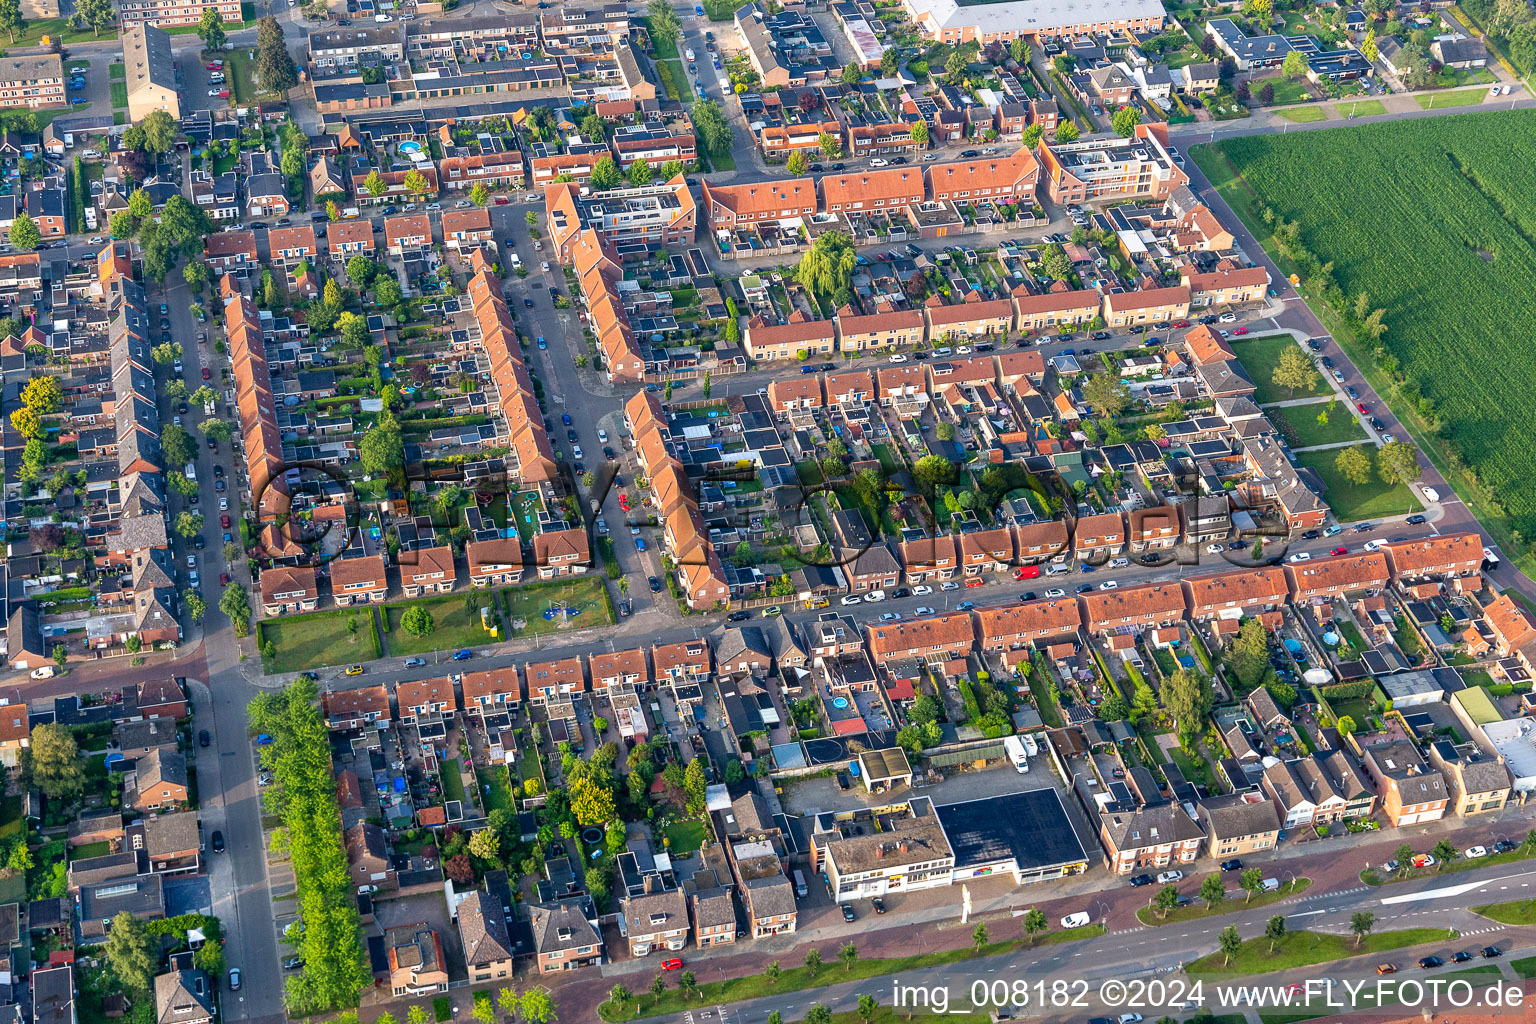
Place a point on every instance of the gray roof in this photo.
(655, 912)
(1264, 708)
(1230, 816)
(1150, 826)
(138, 533)
(151, 732)
(53, 995)
(736, 642)
(770, 897)
(713, 908)
(161, 767)
(483, 929)
(561, 926)
(148, 57)
(182, 996)
(1483, 776)
(166, 835)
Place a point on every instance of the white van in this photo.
(1029, 745)
(1013, 747)
(1077, 920)
(1057, 570)
(1270, 885)
(688, 52)
(1430, 494)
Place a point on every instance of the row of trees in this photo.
(335, 970)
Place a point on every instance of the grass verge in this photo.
(1459, 864)
(1362, 108)
(1302, 949)
(1301, 428)
(1460, 98)
(1513, 912)
(1303, 115)
(119, 95)
(795, 979)
(1525, 966)
(1149, 915)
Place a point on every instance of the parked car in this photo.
(415, 662)
(1141, 880)
(673, 964)
(463, 655)
(218, 847)
(1165, 877)
(848, 914)
(203, 739)
(1232, 865)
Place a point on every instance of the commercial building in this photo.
(963, 21)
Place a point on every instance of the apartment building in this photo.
(1004, 179)
(1149, 837)
(1239, 824)
(340, 50)
(635, 221)
(1139, 167)
(1411, 791)
(166, 13)
(149, 72)
(34, 82)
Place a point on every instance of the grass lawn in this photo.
(1460, 863)
(1361, 108)
(1050, 714)
(453, 784)
(454, 625)
(1476, 677)
(119, 94)
(1259, 357)
(1288, 91)
(1525, 967)
(117, 71)
(1299, 424)
(1351, 502)
(241, 71)
(1233, 902)
(56, 29)
(795, 979)
(585, 596)
(685, 836)
(316, 640)
(1303, 115)
(666, 49)
(1301, 949)
(496, 789)
(1460, 98)
(85, 850)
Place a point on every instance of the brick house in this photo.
(359, 579)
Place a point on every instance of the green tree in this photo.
(1294, 65)
(1360, 924)
(979, 935)
(954, 67)
(122, 225)
(1187, 696)
(24, 233)
(98, 14)
(1353, 464)
(1035, 922)
(1166, 899)
(51, 762)
(374, 184)
(1397, 462)
(827, 267)
(1066, 131)
(236, 606)
(640, 173)
(1368, 49)
(818, 1014)
(868, 1005)
(535, 1006)
(132, 952)
(1230, 943)
(1294, 371)
(1018, 48)
(480, 195)
(1250, 653)
(1212, 891)
(694, 783)
(417, 621)
(664, 23)
(813, 961)
(42, 394)
(1274, 930)
(210, 29)
(1125, 120)
(160, 131)
(772, 972)
(796, 163)
(1108, 393)
(195, 605)
(1444, 852)
(890, 62)
(275, 69)
(830, 144)
(848, 954)
(189, 524)
(11, 21)
(1404, 857)
(382, 449)
(920, 132)
(1251, 881)
(360, 271)
(1032, 136)
(712, 126)
(605, 174)
(852, 74)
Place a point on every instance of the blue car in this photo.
(542, 343)
(639, 543)
(565, 418)
(463, 655)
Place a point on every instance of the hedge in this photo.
(1348, 691)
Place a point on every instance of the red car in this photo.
(1240, 331)
(207, 375)
(224, 521)
(502, 200)
(1026, 572)
(975, 583)
(215, 65)
(1181, 323)
(223, 578)
(1339, 551)
(674, 964)
(1362, 407)
(624, 501)
(223, 94)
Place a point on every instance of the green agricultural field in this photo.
(1435, 220)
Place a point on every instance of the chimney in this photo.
(880, 851)
(904, 847)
